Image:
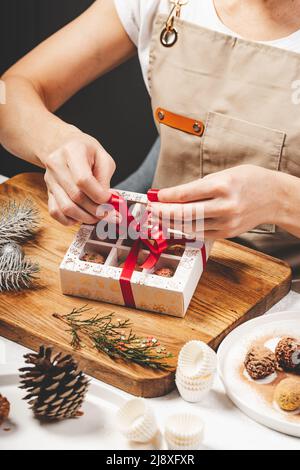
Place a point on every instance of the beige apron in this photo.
(220, 102)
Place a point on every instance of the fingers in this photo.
(108, 215)
(198, 190)
(104, 168)
(82, 167)
(214, 235)
(212, 209)
(56, 213)
(64, 178)
(68, 208)
(181, 221)
(182, 212)
(78, 177)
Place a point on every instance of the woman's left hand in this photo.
(231, 202)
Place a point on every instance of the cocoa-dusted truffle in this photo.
(94, 258)
(260, 362)
(287, 394)
(4, 409)
(164, 272)
(287, 354)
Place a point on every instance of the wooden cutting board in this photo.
(238, 284)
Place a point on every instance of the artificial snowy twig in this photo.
(18, 221)
(16, 272)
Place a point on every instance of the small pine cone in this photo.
(4, 409)
(56, 387)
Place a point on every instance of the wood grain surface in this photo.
(238, 284)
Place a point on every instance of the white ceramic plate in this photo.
(96, 429)
(231, 355)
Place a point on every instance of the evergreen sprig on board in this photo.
(115, 338)
(18, 221)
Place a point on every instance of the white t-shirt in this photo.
(137, 17)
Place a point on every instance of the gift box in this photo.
(158, 274)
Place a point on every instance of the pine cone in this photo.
(4, 409)
(56, 387)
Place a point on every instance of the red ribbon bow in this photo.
(156, 246)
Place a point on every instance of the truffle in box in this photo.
(94, 269)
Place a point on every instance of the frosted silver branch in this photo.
(16, 271)
(18, 221)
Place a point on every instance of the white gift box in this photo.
(151, 292)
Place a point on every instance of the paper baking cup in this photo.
(136, 421)
(193, 382)
(199, 384)
(193, 392)
(184, 431)
(196, 360)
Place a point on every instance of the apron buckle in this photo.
(169, 34)
(169, 37)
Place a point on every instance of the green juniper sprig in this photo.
(107, 335)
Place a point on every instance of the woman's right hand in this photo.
(78, 176)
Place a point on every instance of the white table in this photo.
(226, 426)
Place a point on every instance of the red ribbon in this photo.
(156, 246)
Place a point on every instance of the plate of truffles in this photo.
(259, 364)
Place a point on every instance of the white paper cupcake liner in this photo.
(196, 360)
(205, 384)
(136, 421)
(192, 395)
(193, 389)
(194, 382)
(184, 431)
(191, 446)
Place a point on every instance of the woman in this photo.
(221, 74)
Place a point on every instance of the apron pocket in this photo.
(180, 148)
(230, 142)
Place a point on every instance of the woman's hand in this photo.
(78, 178)
(231, 202)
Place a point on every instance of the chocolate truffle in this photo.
(287, 394)
(137, 267)
(176, 250)
(94, 258)
(260, 362)
(164, 272)
(287, 354)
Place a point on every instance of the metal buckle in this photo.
(169, 34)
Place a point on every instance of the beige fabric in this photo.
(243, 92)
